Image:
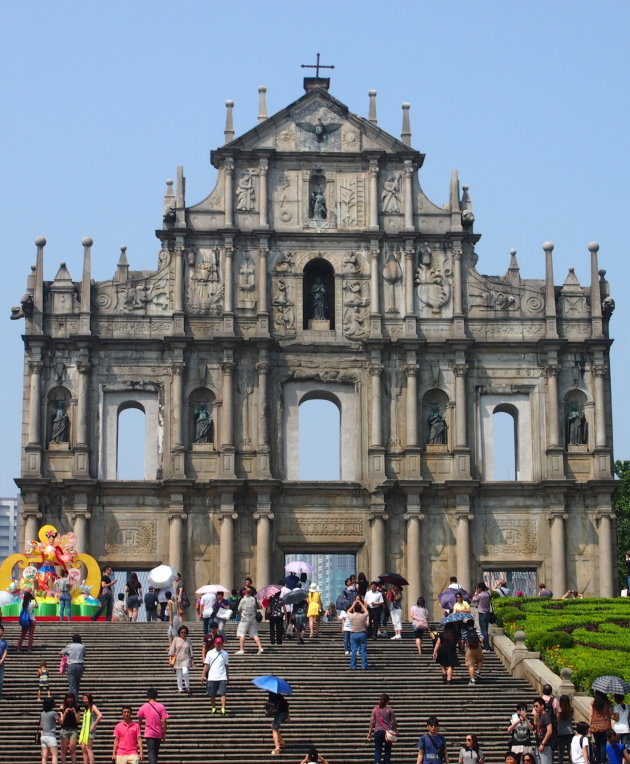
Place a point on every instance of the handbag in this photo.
(391, 736)
(259, 616)
(171, 659)
(492, 616)
(225, 613)
(63, 664)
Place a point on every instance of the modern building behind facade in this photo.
(9, 519)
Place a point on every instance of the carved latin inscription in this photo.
(513, 536)
(132, 537)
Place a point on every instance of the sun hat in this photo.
(313, 588)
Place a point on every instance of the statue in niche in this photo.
(203, 424)
(437, 427)
(390, 197)
(245, 196)
(318, 293)
(59, 432)
(318, 205)
(576, 427)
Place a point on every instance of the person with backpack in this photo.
(564, 727)
(473, 658)
(27, 620)
(544, 730)
(581, 746)
(521, 730)
(432, 745)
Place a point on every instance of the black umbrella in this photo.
(295, 596)
(611, 685)
(393, 578)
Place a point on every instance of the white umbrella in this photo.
(162, 576)
(212, 589)
(6, 598)
(299, 566)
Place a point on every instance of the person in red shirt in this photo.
(127, 741)
(155, 723)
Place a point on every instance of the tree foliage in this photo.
(622, 511)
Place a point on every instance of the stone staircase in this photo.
(330, 706)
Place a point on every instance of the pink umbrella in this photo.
(212, 589)
(267, 592)
(299, 566)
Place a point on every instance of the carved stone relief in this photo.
(351, 201)
(136, 538)
(356, 314)
(245, 193)
(392, 276)
(391, 194)
(284, 263)
(144, 292)
(283, 303)
(317, 128)
(434, 276)
(204, 285)
(510, 537)
(247, 284)
(490, 294)
(322, 526)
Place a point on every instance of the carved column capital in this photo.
(376, 369)
(603, 514)
(26, 513)
(226, 514)
(413, 516)
(177, 516)
(227, 367)
(35, 367)
(79, 515)
(178, 367)
(377, 516)
(557, 514)
(228, 166)
(552, 370)
(599, 370)
(461, 369)
(83, 367)
(374, 167)
(263, 367)
(263, 515)
(408, 168)
(411, 370)
(263, 166)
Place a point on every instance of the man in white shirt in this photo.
(374, 602)
(205, 610)
(216, 672)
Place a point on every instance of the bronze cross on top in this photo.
(316, 66)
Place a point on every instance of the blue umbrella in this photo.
(273, 683)
(457, 617)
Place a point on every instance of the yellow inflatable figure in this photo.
(52, 551)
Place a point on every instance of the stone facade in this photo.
(221, 343)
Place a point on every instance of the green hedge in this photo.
(591, 637)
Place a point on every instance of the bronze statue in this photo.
(318, 205)
(437, 427)
(576, 427)
(60, 424)
(318, 293)
(203, 424)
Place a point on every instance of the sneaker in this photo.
(260, 652)
(472, 681)
(275, 752)
(396, 637)
(213, 710)
(347, 653)
(240, 652)
(223, 712)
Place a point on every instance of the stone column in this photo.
(558, 560)
(374, 293)
(413, 517)
(86, 287)
(177, 373)
(263, 517)
(34, 429)
(227, 421)
(263, 166)
(83, 369)
(373, 221)
(179, 285)
(460, 370)
(408, 185)
(228, 174)
(409, 276)
(30, 518)
(457, 282)
(553, 422)
(462, 537)
(262, 367)
(262, 280)
(79, 526)
(376, 435)
(605, 552)
(377, 536)
(227, 517)
(175, 546)
(412, 405)
(228, 287)
(599, 373)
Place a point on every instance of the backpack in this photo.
(591, 748)
(521, 734)
(25, 618)
(473, 640)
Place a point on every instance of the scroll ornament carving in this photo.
(433, 280)
(147, 294)
(283, 308)
(205, 287)
(511, 536)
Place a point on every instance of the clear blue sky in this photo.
(528, 100)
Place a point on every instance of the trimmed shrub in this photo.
(552, 639)
(510, 614)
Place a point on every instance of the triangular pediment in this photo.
(318, 122)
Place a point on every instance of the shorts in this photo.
(68, 734)
(131, 758)
(133, 601)
(419, 633)
(247, 628)
(473, 656)
(218, 687)
(280, 717)
(49, 740)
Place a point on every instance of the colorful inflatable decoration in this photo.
(39, 568)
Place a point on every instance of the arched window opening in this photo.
(318, 296)
(319, 439)
(505, 442)
(130, 446)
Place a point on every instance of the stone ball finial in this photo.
(123, 247)
(566, 674)
(602, 273)
(371, 92)
(87, 241)
(62, 264)
(465, 187)
(169, 181)
(262, 88)
(571, 269)
(593, 247)
(406, 105)
(519, 638)
(40, 241)
(548, 246)
(33, 268)
(512, 251)
(229, 102)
